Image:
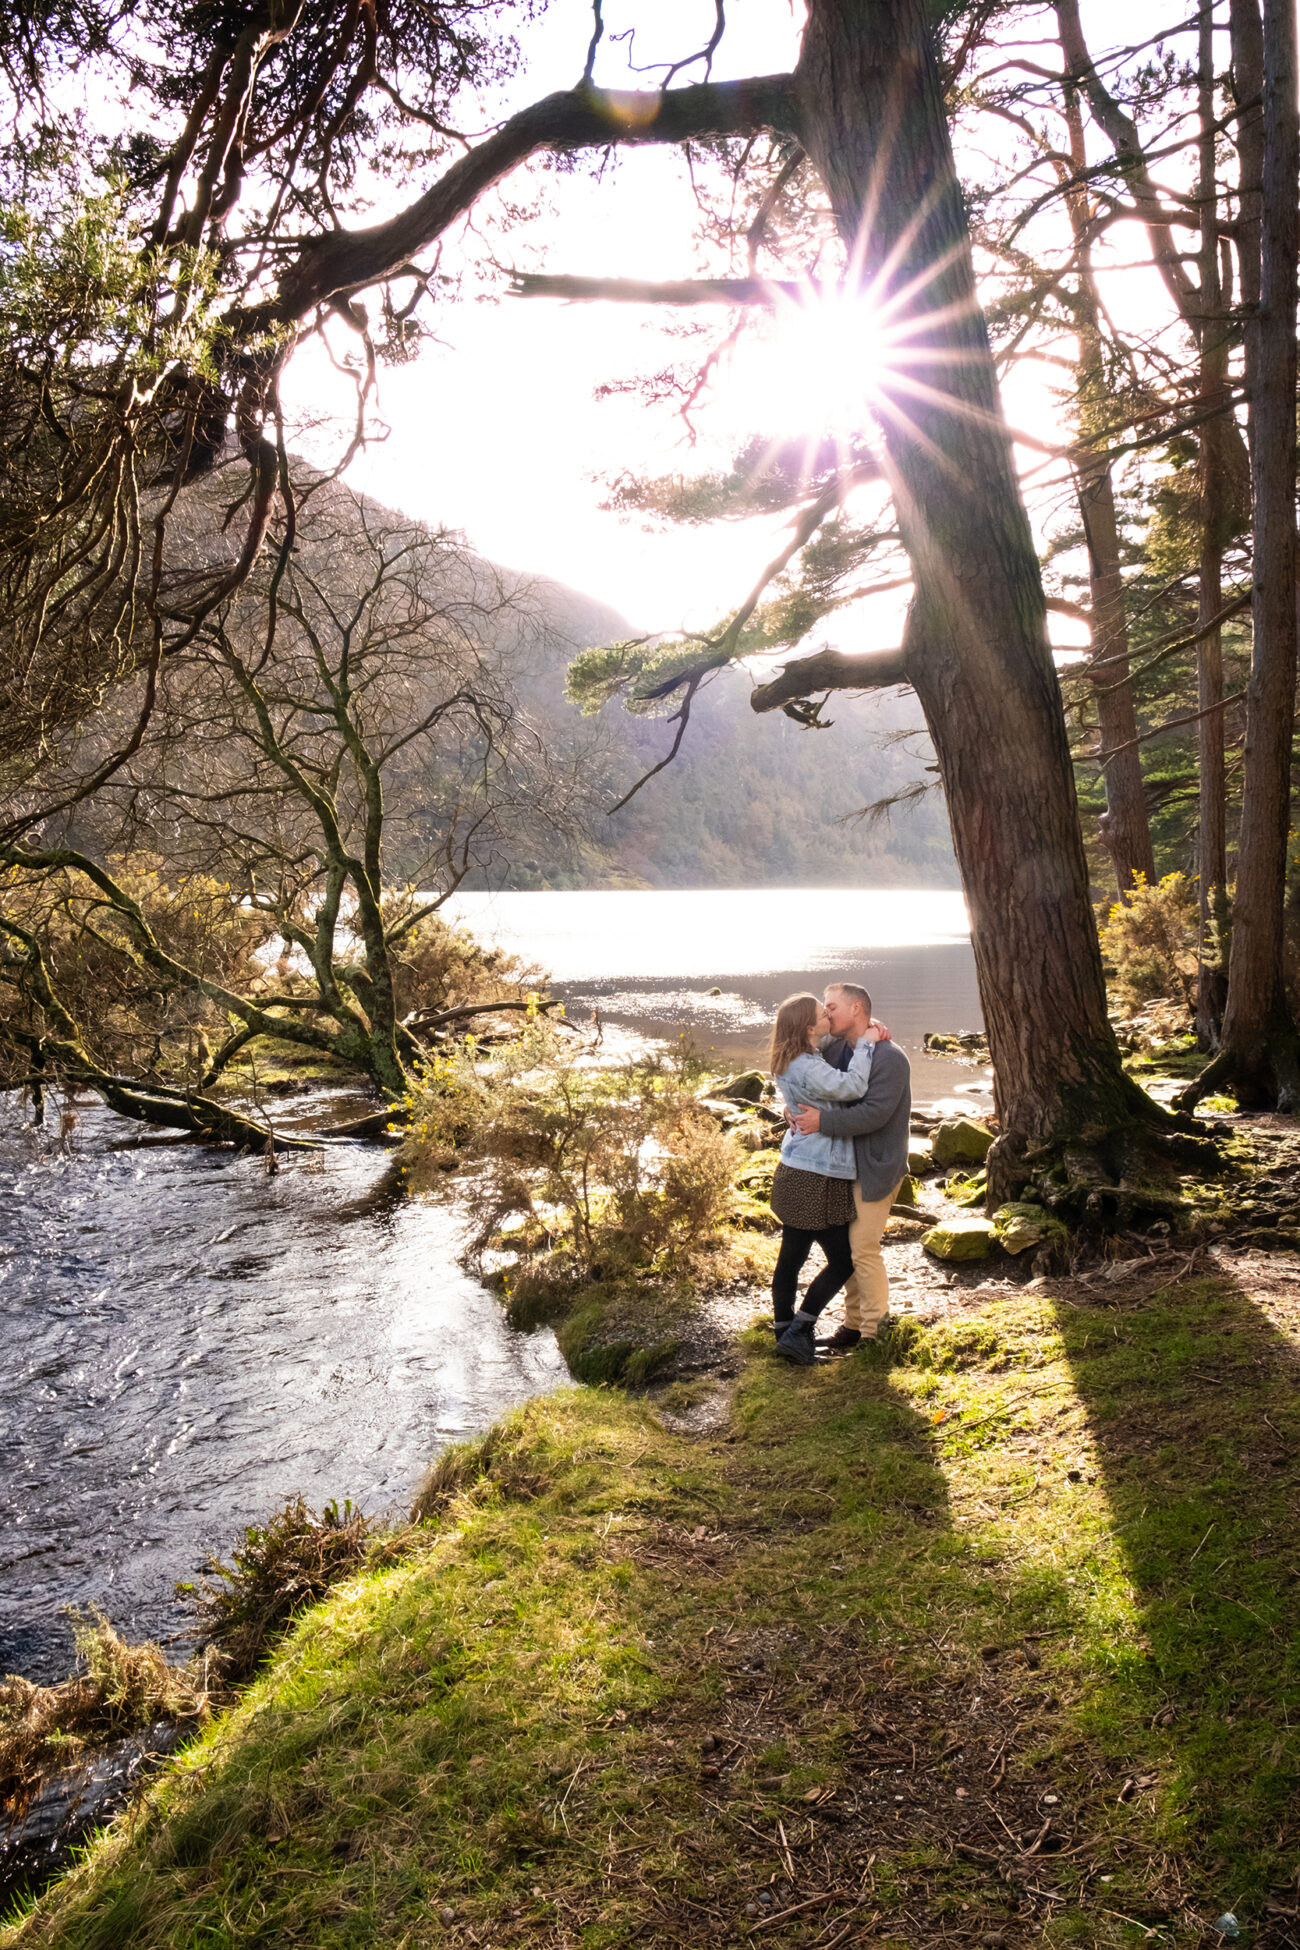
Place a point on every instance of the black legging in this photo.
(795, 1248)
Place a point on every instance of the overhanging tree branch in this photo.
(673, 291)
(576, 118)
(831, 670)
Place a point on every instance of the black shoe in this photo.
(797, 1344)
(841, 1340)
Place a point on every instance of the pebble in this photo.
(447, 1915)
(709, 1743)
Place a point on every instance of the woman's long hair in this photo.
(794, 1019)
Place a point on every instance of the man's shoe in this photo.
(797, 1344)
(841, 1340)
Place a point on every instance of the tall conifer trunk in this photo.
(1259, 1056)
(1126, 825)
(873, 122)
(1216, 525)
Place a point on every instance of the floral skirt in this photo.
(809, 1202)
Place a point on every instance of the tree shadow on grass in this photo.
(1190, 1394)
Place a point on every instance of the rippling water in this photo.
(188, 1340)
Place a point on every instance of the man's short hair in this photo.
(855, 991)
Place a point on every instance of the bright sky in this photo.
(495, 430)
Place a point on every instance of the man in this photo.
(879, 1125)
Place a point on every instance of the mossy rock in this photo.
(960, 1239)
(749, 1213)
(756, 1176)
(920, 1156)
(1022, 1225)
(961, 1142)
(747, 1088)
(968, 1191)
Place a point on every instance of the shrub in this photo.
(437, 966)
(1150, 943)
(597, 1174)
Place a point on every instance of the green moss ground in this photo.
(990, 1638)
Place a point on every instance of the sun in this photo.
(813, 369)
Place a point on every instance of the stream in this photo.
(189, 1341)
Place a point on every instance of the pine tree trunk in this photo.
(977, 649)
(1215, 525)
(1259, 1056)
(1126, 825)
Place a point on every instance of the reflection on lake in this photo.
(647, 960)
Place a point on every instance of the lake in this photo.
(647, 960)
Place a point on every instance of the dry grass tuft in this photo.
(277, 1570)
(122, 1689)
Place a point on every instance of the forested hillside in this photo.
(749, 801)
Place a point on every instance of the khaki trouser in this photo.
(866, 1296)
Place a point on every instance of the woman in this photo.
(812, 1190)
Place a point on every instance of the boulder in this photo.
(906, 1194)
(747, 1088)
(960, 1239)
(1022, 1224)
(920, 1156)
(961, 1142)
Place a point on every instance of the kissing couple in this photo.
(848, 1104)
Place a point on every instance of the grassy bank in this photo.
(989, 1639)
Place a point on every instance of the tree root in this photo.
(1263, 1072)
(1098, 1180)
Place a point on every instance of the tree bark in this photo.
(873, 122)
(1126, 824)
(1216, 526)
(1259, 1057)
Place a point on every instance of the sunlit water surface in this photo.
(647, 960)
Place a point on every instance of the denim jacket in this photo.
(811, 1080)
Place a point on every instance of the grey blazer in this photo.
(878, 1123)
